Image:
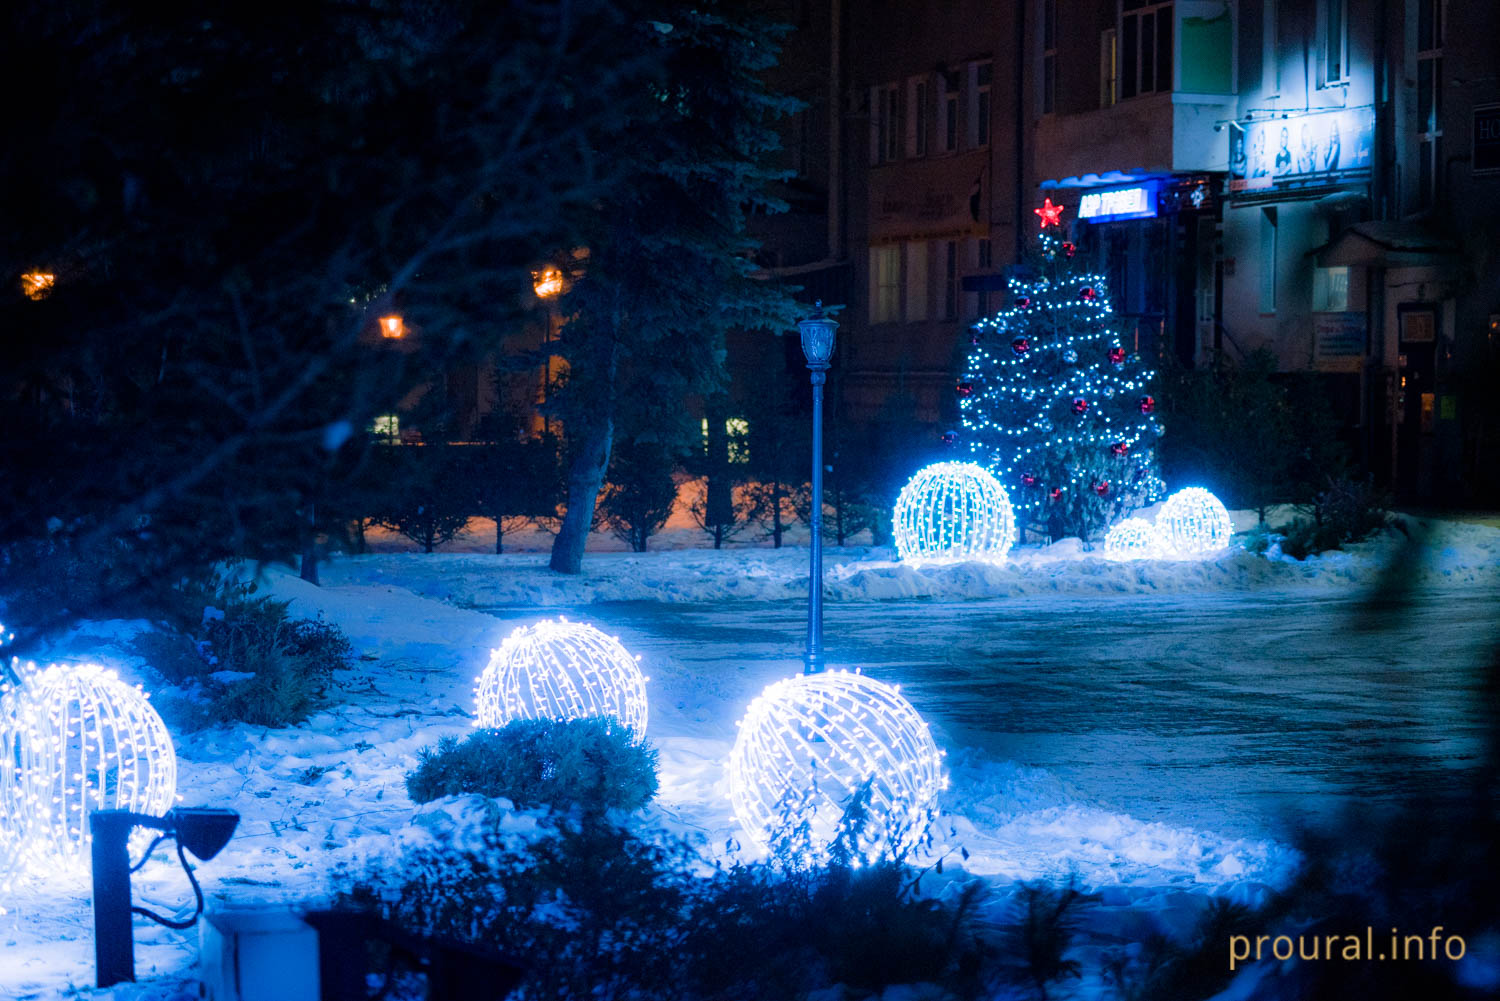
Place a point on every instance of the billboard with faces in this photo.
(1302, 150)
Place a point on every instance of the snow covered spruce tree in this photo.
(1053, 402)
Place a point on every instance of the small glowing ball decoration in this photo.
(1193, 522)
(952, 511)
(1131, 539)
(558, 669)
(808, 744)
(79, 739)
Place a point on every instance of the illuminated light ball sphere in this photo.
(83, 740)
(953, 511)
(1131, 539)
(1193, 522)
(558, 669)
(809, 743)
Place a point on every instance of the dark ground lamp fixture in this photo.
(203, 831)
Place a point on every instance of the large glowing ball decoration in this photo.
(808, 744)
(1193, 522)
(953, 510)
(1131, 539)
(84, 740)
(558, 669)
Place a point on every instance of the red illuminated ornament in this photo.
(974, 336)
(1022, 301)
(1088, 294)
(1020, 346)
(949, 437)
(1148, 404)
(1117, 356)
(1102, 488)
(1080, 405)
(1027, 480)
(1119, 448)
(1069, 249)
(964, 390)
(1051, 214)
(1056, 493)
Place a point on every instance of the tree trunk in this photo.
(309, 570)
(776, 528)
(499, 537)
(585, 480)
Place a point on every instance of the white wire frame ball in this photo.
(809, 743)
(82, 740)
(12, 801)
(953, 511)
(1193, 522)
(1131, 539)
(557, 669)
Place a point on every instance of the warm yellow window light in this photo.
(38, 284)
(392, 327)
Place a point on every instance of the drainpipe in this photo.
(835, 132)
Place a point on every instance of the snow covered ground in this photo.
(1152, 727)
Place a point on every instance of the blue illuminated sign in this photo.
(1138, 202)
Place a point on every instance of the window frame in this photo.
(1136, 12)
(1326, 75)
(885, 288)
(977, 130)
(917, 126)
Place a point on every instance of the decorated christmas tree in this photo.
(1055, 404)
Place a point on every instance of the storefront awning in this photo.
(1131, 176)
(1388, 244)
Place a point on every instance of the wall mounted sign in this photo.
(1137, 202)
(1339, 335)
(1301, 151)
(1487, 138)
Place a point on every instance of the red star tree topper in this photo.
(1051, 214)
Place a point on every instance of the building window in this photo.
(1109, 55)
(950, 280)
(1270, 49)
(885, 122)
(916, 119)
(1330, 290)
(986, 262)
(1268, 260)
(1429, 98)
(1333, 26)
(916, 282)
(979, 103)
(947, 111)
(1049, 56)
(885, 283)
(1145, 48)
(386, 428)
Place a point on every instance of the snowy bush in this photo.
(1346, 512)
(596, 764)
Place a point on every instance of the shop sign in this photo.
(1138, 202)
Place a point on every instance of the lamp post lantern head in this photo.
(817, 337)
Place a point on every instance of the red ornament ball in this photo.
(1069, 249)
(964, 390)
(1027, 480)
(1119, 448)
(1088, 294)
(1022, 301)
(1056, 493)
(1020, 346)
(974, 337)
(949, 437)
(1080, 405)
(1148, 404)
(1117, 356)
(1102, 488)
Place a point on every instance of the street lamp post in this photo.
(817, 345)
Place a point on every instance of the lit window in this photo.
(738, 431)
(392, 327)
(885, 283)
(1330, 290)
(37, 284)
(387, 427)
(1429, 98)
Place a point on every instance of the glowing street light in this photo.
(817, 346)
(38, 284)
(392, 327)
(547, 282)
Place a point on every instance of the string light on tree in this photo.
(558, 669)
(953, 511)
(1131, 539)
(1063, 424)
(1193, 522)
(79, 740)
(809, 744)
